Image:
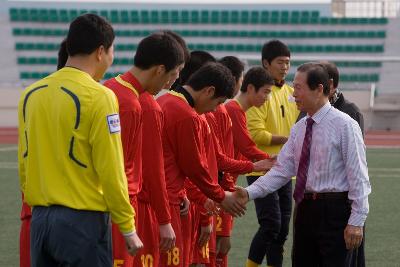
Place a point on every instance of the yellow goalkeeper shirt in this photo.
(70, 150)
(276, 117)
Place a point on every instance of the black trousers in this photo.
(65, 237)
(319, 235)
(273, 214)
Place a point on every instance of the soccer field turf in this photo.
(382, 237)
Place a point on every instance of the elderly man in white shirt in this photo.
(326, 152)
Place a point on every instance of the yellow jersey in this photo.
(275, 117)
(70, 150)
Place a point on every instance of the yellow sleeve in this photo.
(22, 146)
(256, 118)
(108, 160)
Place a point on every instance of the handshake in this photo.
(234, 203)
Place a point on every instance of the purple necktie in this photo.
(301, 177)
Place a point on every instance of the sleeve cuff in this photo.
(357, 219)
(164, 221)
(268, 139)
(251, 192)
(129, 234)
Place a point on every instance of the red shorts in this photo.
(148, 231)
(188, 232)
(212, 244)
(174, 257)
(24, 243)
(224, 223)
(205, 254)
(121, 257)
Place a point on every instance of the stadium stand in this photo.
(355, 44)
(208, 32)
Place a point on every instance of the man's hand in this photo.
(353, 236)
(223, 244)
(233, 203)
(263, 165)
(211, 207)
(241, 195)
(185, 206)
(273, 157)
(205, 234)
(133, 243)
(167, 237)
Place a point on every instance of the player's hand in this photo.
(205, 234)
(263, 165)
(223, 244)
(185, 207)
(211, 207)
(232, 203)
(133, 243)
(353, 236)
(273, 157)
(241, 194)
(167, 237)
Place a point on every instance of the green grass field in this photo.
(382, 238)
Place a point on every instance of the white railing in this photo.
(365, 8)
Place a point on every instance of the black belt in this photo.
(327, 195)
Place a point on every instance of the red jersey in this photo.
(221, 128)
(185, 152)
(153, 159)
(224, 162)
(224, 134)
(127, 89)
(243, 144)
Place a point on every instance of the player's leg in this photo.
(213, 245)
(148, 231)
(269, 219)
(174, 257)
(189, 223)
(24, 237)
(275, 251)
(121, 257)
(224, 224)
(24, 243)
(200, 255)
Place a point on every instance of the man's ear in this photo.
(320, 89)
(100, 51)
(265, 64)
(251, 88)
(160, 70)
(210, 91)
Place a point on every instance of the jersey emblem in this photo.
(114, 125)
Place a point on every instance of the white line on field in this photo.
(9, 148)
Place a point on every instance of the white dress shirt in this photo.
(337, 161)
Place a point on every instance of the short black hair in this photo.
(234, 64)
(258, 77)
(197, 59)
(274, 49)
(316, 75)
(87, 33)
(333, 72)
(158, 49)
(62, 55)
(213, 74)
(181, 41)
